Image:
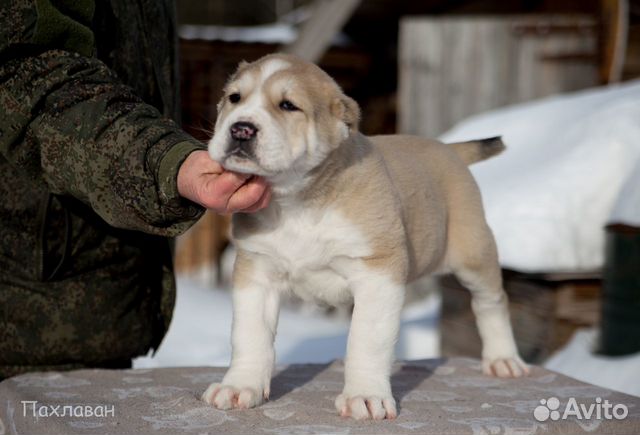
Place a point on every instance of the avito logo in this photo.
(550, 409)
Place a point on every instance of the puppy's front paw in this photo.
(228, 396)
(363, 407)
(512, 367)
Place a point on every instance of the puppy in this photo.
(353, 219)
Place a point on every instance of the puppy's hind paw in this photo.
(229, 397)
(512, 367)
(366, 407)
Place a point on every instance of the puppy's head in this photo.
(280, 115)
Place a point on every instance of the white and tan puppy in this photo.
(353, 219)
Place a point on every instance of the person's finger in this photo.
(226, 184)
(262, 202)
(247, 195)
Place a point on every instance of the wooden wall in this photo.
(454, 67)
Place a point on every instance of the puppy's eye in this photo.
(288, 106)
(234, 98)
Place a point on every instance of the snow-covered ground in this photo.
(578, 361)
(200, 331)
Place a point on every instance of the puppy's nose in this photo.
(243, 131)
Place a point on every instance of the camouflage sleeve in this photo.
(66, 119)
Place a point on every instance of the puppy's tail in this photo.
(477, 150)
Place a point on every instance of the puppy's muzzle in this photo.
(242, 141)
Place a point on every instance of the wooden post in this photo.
(327, 19)
(615, 29)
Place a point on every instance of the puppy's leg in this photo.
(256, 302)
(475, 263)
(370, 349)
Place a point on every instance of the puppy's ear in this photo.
(347, 110)
(242, 65)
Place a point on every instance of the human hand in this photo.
(203, 181)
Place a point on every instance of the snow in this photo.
(201, 327)
(276, 33)
(578, 361)
(550, 194)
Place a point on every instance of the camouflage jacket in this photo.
(88, 166)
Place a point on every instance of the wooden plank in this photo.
(199, 250)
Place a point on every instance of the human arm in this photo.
(67, 120)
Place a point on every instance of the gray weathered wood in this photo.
(316, 34)
(454, 67)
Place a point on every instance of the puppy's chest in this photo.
(313, 251)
